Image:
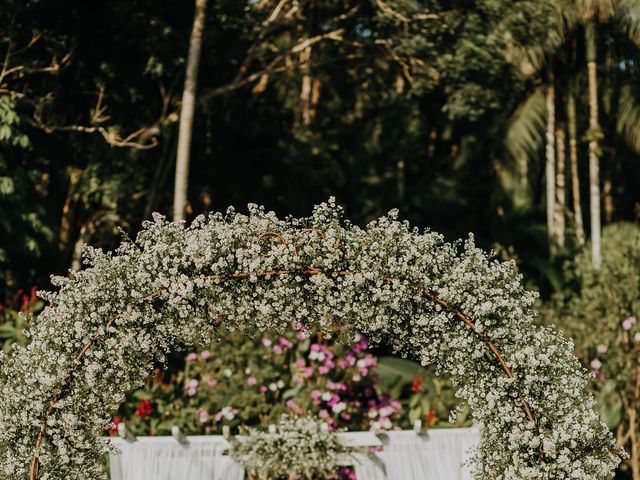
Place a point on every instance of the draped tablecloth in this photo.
(163, 458)
(433, 455)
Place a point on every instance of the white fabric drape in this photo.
(434, 455)
(163, 458)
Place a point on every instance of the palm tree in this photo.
(187, 110)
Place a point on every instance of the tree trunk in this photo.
(594, 149)
(575, 177)
(550, 161)
(560, 201)
(181, 187)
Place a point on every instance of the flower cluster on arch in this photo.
(108, 324)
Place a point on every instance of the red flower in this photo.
(144, 408)
(114, 430)
(417, 383)
(431, 418)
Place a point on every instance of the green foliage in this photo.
(15, 315)
(599, 309)
(424, 396)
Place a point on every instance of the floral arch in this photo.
(445, 303)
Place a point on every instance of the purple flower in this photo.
(628, 323)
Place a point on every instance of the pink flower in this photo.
(265, 342)
(277, 349)
(212, 382)
(628, 323)
(598, 374)
(602, 348)
(301, 336)
(251, 381)
(596, 364)
(300, 363)
(295, 408)
(315, 347)
(363, 372)
(192, 357)
(191, 392)
(285, 343)
(308, 372)
(323, 413)
(323, 370)
(334, 399)
(316, 394)
(263, 389)
(205, 354)
(193, 383)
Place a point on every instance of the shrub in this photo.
(599, 309)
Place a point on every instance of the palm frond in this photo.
(601, 9)
(525, 134)
(628, 121)
(629, 14)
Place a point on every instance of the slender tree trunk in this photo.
(575, 177)
(594, 149)
(560, 203)
(550, 161)
(181, 187)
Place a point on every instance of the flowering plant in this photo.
(14, 318)
(602, 317)
(297, 448)
(447, 304)
(250, 382)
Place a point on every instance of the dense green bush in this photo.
(599, 309)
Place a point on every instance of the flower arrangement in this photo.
(300, 448)
(450, 305)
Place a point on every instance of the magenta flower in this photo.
(285, 343)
